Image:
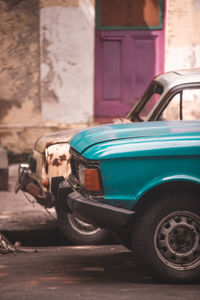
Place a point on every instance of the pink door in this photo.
(127, 55)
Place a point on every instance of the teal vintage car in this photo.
(142, 181)
(170, 96)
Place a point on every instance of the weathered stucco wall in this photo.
(19, 62)
(183, 45)
(182, 34)
(67, 60)
(48, 86)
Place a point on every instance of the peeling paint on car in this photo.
(57, 158)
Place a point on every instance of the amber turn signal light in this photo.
(45, 182)
(91, 180)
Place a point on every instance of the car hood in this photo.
(54, 138)
(112, 132)
(63, 136)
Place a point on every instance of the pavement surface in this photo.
(101, 272)
(26, 223)
(17, 213)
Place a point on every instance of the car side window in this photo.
(185, 105)
(172, 110)
(191, 104)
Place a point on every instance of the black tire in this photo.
(166, 238)
(123, 237)
(79, 232)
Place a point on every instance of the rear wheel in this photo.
(166, 238)
(78, 231)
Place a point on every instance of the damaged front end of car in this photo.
(27, 183)
(48, 166)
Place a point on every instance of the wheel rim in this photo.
(177, 240)
(82, 227)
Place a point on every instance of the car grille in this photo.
(74, 166)
(75, 162)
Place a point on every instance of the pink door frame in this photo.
(125, 62)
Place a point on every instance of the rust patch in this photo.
(63, 157)
(50, 155)
(56, 162)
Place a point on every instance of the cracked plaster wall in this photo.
(183, 44)
(67, 61)
(182, 34)
(19, 62)
(47, 88)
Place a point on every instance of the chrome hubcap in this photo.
(80, 226)
(177, 240)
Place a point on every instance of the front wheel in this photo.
(123, 237)
(78, 231)
(166, 238)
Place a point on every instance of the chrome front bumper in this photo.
(27, 183)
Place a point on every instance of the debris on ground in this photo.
(7, 247)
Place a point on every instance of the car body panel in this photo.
(126, 187)
(131, 134)
(57, 159)
(130, 167)
(172, 79)
(58, 137)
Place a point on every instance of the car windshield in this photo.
(143, 107)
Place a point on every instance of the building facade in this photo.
(69, 63)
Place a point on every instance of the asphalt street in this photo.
(103, 272)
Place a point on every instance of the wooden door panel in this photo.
(129, 52)
(125, 63)
(110, 81)
(144, 63)
(111, 70)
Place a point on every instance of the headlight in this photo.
(89, 178)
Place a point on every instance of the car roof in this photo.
(175, 78)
